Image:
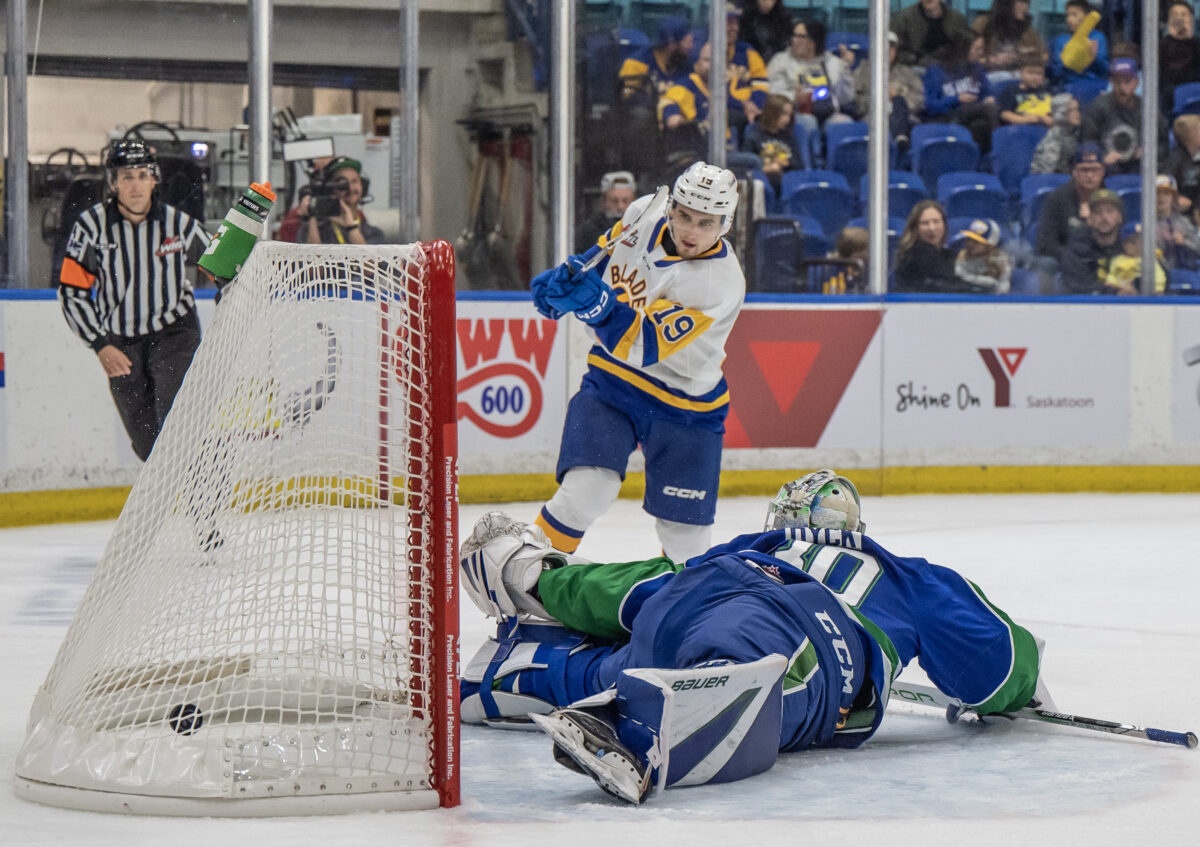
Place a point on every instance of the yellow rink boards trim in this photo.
(25, 508)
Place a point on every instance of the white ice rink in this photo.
(1110, 581)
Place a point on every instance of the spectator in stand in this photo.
(1091, 248)
(1125, 269)
(1009, 37)
(844, 272)
(1178, 54)
(981, 263)
(617, 190)
(747, 75)
(923, 261)
(1114, 122)
(1178, 241)
(906, 93)
(819, 83)
(957, 91)
(1081, 38)
(1183, 164)
(928, 31)
(1065, 210)
(1029, 101)
(1056, 152)
(772, 140)
(766, 25)
(648, 73)
(683, 113)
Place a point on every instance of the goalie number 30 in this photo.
(849, 575)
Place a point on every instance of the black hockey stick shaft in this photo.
(927, 695)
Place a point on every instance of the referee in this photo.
(124, 292)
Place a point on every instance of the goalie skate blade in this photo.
(612, 771)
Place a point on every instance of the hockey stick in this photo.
(927, 695)
(631, 234)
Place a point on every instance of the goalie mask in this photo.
(709, 189)
(819, 500)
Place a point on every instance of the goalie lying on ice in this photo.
(650, 674)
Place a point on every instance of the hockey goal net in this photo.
(273, 626)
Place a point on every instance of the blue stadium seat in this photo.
(827, 202)
(846, 149)
(1085, 90)
(973, 195)
(1187, 99)
(1012, 151)
(777, 246)
(772, 199)
(1025, 282)
(924, 133)
(1129, 188)
(1180, 281)
(943, 155)
(1034, 189)
(794, 180)
(905, 190)
(815, 243)
(806, 145)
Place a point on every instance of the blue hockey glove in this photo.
(586, 295)
(553, 281)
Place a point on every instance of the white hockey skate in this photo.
(587, 744)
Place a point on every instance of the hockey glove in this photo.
(587, 296)
(552, 280)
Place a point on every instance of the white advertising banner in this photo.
(1186, 367)
(512, 378)
(992, 375)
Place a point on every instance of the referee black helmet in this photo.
(131, 153)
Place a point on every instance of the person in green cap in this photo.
(349, 225)
(1090, 249)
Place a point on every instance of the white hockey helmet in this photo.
(709, 189)
(819, 500)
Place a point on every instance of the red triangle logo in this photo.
(785, 366)
(787, 370)
(1012, 356)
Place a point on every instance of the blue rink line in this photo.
(17, 294)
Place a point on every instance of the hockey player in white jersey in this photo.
(659, 308)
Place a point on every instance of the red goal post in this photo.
(273, 627)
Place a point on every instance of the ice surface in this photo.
(1110, 581)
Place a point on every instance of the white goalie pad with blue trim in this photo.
(716, 723)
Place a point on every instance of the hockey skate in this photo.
(588, 744)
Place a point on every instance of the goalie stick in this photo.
(927, 695)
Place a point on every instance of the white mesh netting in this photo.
(260, 623)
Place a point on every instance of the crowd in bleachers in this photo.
(1015, 157)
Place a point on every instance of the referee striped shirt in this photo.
(125, 279)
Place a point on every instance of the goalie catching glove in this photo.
(501, 563)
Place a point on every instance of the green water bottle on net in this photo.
(243, 226)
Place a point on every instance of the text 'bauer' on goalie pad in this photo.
(714, 723)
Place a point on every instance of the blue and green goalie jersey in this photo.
(909, 608)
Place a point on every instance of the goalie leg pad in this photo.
(530, 667)
(715, 723)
